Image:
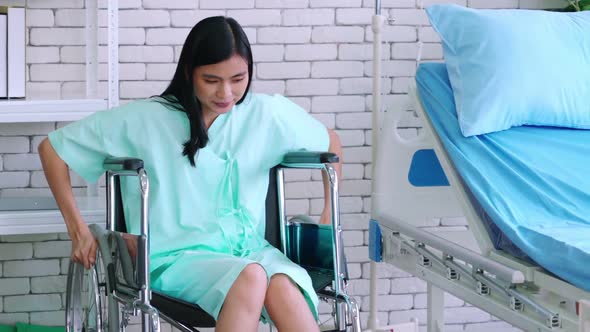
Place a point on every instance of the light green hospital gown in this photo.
(206, 222)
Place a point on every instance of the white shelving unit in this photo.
(28, 218)
(20, 111)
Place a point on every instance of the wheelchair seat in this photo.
(186, 313)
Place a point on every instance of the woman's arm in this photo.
(335, 147)
(58, 178)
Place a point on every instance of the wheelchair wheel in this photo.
(87, 304)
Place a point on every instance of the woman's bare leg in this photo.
(287, 306)
(243, 303)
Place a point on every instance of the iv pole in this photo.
(377, 24)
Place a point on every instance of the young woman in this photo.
(207, 145)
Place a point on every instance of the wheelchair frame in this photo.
(135, 296)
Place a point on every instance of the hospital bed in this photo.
(506, 261)
(106, 297)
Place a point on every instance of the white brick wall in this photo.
(317, 52)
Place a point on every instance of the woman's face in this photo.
(220, 86)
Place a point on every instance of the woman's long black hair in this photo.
(212, 40)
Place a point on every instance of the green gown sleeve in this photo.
(84, 145)
(298, 129)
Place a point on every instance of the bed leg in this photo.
(584, 311)
(436, 306)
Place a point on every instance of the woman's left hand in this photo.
(326, 218)
(131, 242)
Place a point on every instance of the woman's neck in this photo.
(209, 118)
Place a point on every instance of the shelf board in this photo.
(48, 110)
(49, 220)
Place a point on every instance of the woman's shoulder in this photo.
(267, 104)
(151, 104)
(267, 99)
(141, 108)
(136, 114)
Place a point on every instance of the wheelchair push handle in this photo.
(123, 164)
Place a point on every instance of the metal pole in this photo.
(336, 237)
(282, 213)
(144, 249)
(377, 25)
(111, 201)
(91, 49)
(113, 50)
(91, 66)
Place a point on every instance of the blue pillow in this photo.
(513, 67)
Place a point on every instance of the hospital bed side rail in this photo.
(427, 256)
(502, 272)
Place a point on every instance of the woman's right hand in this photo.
(84, 247)
(58, 177)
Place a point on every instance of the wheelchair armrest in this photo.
(302, 158)
(123, 164)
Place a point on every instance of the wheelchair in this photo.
(117, 287)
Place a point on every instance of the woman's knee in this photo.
(281, 287)
(246, 296)
(281, 281)
(253, 279)
(284, 301)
